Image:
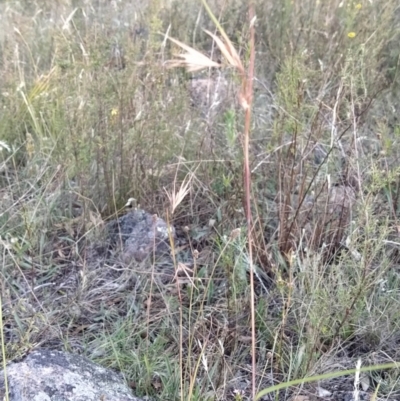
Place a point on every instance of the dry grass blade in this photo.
(176, 197)
(188, 272)
(228, 50)
(193, 60)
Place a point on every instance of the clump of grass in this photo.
(194, 61)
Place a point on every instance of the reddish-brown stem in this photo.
(248, 96)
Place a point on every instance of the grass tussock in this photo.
(92, 115)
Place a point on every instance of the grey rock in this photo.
(46, 375)
(349, 396)
(140, 234)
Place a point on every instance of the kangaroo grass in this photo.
(194, 60)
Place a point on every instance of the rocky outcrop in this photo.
(46, 375)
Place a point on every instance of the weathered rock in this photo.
(46, 375)
(140, 234)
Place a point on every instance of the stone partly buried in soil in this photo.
(46, 375)
(140, 234)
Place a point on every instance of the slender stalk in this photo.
(248, 95)
(172, 244)
(3, 352)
